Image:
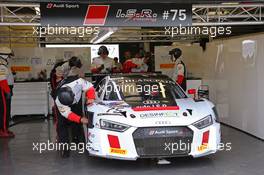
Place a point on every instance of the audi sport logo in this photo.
(69, 6)
(49, 5)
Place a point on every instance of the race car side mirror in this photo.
(192, 92)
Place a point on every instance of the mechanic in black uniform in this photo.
(179, 71)
(69, 105)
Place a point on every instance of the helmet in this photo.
(103, 50)
(6, 51)
(66, 96)
(176, 53)
(75, 62)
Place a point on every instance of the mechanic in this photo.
(129, 63)
(179, 71)
(5, 96)
(102, 63)
(69, 105)
(56, 75)
(117, 68)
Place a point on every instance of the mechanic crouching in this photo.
(69, 105)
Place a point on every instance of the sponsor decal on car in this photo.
(118, 151)
(203, 147)
(168, 132)
(159, 114)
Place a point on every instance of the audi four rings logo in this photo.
(162, 122)
(150, 102)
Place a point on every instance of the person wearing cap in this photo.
(179, 71)
(102, 63)
(5, 93)
(69, 104)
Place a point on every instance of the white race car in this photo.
(149, 116)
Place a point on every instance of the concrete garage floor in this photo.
(17, 157)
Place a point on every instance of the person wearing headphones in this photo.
(179, 71)
(69, 104)
(102, 63)
(5, 93)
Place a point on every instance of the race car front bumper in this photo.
(154, 142)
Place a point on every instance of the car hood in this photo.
(188, 112)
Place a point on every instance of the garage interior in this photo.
(231, 65)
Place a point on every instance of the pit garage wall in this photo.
(236, 82)
(38, 59)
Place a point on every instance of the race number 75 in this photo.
(178, 13)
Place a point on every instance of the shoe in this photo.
(5, 134)
(11, 133)
(65, 153)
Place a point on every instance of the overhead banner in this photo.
(116, 15)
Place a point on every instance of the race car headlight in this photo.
(113, 126)
(204, 122)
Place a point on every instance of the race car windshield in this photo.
(149, 92)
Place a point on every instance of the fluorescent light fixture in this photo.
(97, 40)
(67, 45)
(113, 48)
(103, 34)
(230, 3)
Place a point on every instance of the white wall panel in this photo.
(236, 82)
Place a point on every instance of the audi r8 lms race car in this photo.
(149, 116)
